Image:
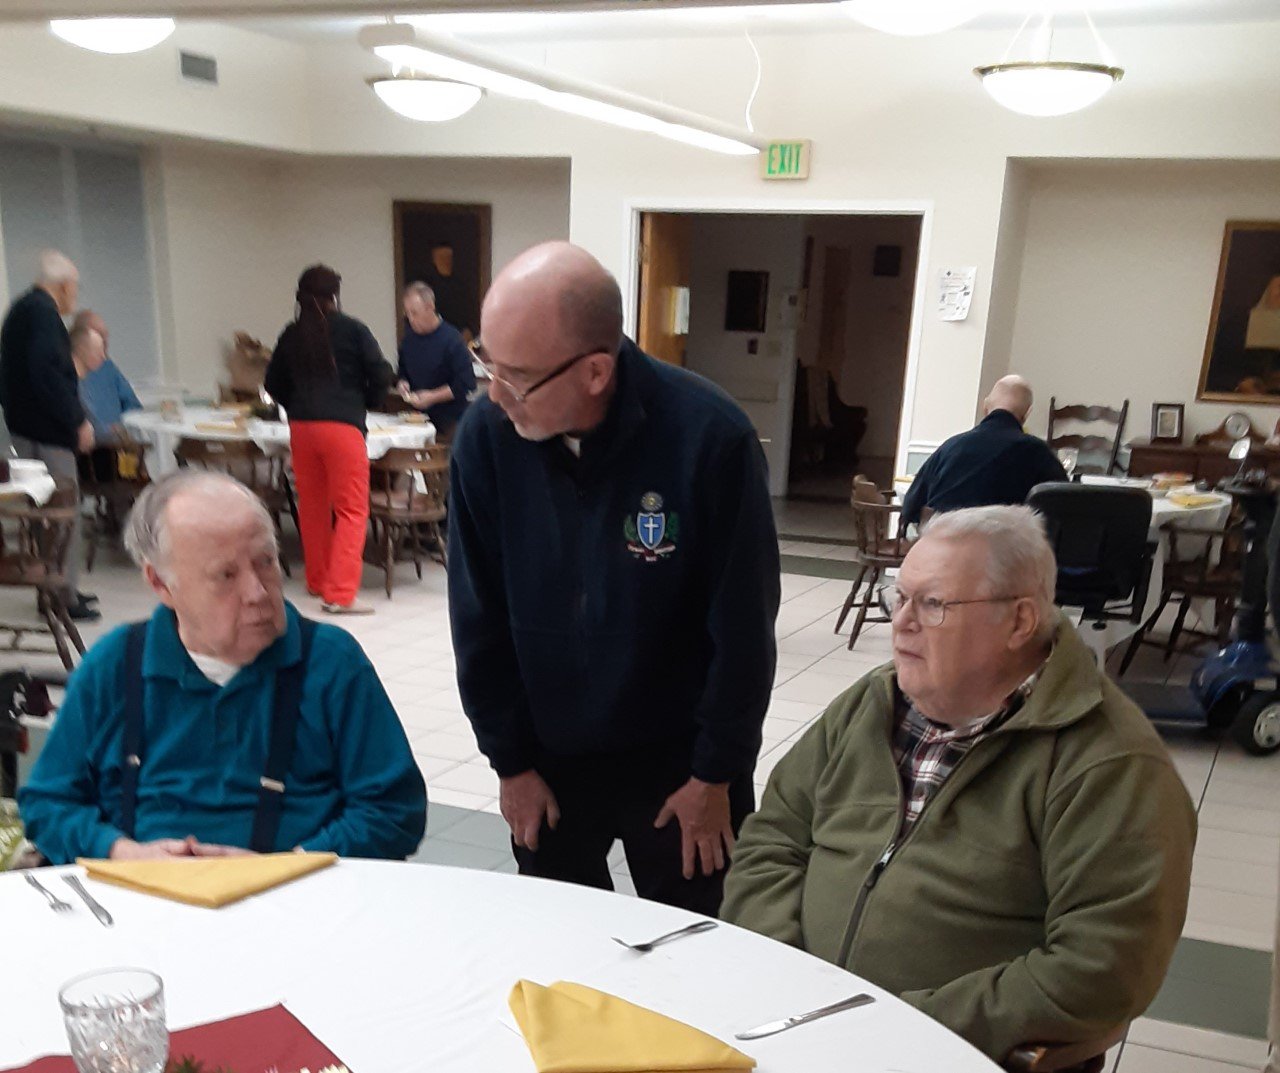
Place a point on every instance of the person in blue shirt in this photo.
(613, 587)
(435, 369)
(994, 463)
(227, 722)
(104, 391)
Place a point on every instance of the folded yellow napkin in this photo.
(1191, 499)
(208, 881)
(575, 1029)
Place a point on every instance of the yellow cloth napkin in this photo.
(575, 1029)
(1191, 499)
(208, 881)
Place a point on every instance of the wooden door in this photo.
(664, 265)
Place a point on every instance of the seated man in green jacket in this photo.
(987, 827)
(228, 722)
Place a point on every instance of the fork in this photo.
(55, 903)
(690, 929)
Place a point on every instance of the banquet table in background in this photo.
(1164, 513)
(405, 967)
(162, 434)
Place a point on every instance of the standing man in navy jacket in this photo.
(613, 585)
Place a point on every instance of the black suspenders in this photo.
(286, 706)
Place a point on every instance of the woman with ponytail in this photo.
(327, 371)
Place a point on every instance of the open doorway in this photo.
(804, 319)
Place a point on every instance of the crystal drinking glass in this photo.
(115, 1021)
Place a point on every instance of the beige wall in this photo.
(237, 230)
(899, 124)
(878, 311)
(762, 382)
(1117, 283)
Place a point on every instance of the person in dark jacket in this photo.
(993, 464)
(326, 371)
(40, 393)
(435, 368)
(613, 586)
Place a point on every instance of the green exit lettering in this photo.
(786, 160)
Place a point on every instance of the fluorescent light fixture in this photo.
(440, 56)
(115, 36)
(1043, 86)
(427, 100)
(1048, 89)
(911, 17)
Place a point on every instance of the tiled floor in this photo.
(1208, 1018)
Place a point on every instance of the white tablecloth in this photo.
(162, 436)
(37, 488)
(402, 967)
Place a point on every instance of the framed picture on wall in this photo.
(446, 247)
(1242, 351)
(1166, 422)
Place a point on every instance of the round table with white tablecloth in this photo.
(405, 967)
(162, 434)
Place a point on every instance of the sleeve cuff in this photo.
(104, 838)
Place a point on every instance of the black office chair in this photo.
(1099, 536)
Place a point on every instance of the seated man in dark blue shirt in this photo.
(435, 370)
(227, 722)
(994, 463)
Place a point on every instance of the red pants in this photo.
(331, 467)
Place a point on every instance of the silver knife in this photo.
(803, 1018)
(104, 918)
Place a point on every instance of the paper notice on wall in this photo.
(955, 292)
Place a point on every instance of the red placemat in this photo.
(250, 1043)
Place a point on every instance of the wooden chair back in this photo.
(410, 482)
(1106, 448)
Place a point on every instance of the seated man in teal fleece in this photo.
(228, 722)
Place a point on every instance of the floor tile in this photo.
(458, 855)
(1215, 987)
(1136, 1059)
(475, 777)
(483, 830)
(460, 798)
(1184, 1039)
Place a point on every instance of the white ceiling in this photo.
(536, 20)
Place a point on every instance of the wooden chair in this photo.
(1214, 571)
(33, 555)
(261, 473)
(876, 551)
(408, 490)
(1106, 447)
(1088, 1056)
(111, 478)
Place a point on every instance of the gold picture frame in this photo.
(1242, 350)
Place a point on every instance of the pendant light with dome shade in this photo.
(425, 99)
(1043, 86)
(911, 17)
(113, 36)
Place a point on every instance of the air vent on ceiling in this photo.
(198, 68)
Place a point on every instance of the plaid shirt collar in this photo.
(926, 753)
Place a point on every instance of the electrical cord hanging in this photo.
(751, 100)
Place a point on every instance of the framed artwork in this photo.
(1242, 351)
(1166, 422)
(447, 247)
(746, 302)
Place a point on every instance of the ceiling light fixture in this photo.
(425, 52)
(425, 99)
(114, 36)
(1042, 86)
(911, 17)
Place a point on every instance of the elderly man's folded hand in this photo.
(126, 849)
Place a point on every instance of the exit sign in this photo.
(785, 160)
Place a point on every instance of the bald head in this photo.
(87, 318)
(59, 277)
(1011, 393)
(562, 287)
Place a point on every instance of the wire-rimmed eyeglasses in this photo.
(930, 610)
(522, 396)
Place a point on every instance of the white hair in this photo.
(1020, 560)
(146, 534)
(56, 268)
